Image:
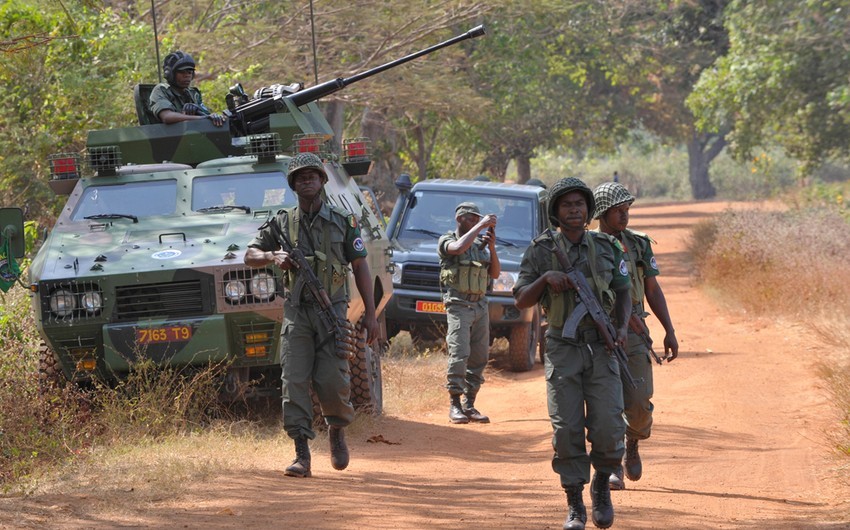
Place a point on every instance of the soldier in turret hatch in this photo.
(175, 100)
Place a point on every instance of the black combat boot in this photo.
(471, 412)
(600, 496)
(634, 469)
(456, 414)
(577, 515)
(615, 481)
(339, 450)
(300, 467)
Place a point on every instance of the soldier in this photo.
(330, 238)
(465, 270)
(612, 209)
(580, 375)
(176, 101)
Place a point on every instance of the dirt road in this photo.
(738, 442)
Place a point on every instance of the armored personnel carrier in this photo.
(146, 258)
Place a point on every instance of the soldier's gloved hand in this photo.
(217, 119)
(193, 109)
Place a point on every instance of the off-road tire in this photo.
(50, 375)
(524, 344)
(366, 381)
(541, 348)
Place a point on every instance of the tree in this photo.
(784, 80)
(663, 49)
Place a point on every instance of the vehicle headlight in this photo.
(235, 290)
(396, 273)
(63, 302)
(505, 282)
(262, 285)
(92, 302)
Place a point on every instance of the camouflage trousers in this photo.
(303, 364)
(583, 390)
(468, 342)
(637, 406)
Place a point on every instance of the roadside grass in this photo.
(792, 264)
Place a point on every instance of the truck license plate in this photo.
(423, 306)
(163, 334)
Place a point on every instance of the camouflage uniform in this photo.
(468, 335)
(166, 97)
(582, 371)
(637, 405)
(332, 234)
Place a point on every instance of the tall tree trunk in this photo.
(702, 149)
(523, 169)
(335, 113)
(385, 146)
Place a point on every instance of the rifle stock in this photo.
(588, 304)
(638, 326)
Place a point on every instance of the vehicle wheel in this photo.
(366, 380)
(542, 345)
(50, 375)
(523, 345)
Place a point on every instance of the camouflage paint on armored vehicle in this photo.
(146, 258)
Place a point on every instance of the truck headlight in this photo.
(262, 285)
(92, 302)
(63, 302)
(505, 282)
(235, 290)
(396, 273)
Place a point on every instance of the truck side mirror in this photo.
(12, 229)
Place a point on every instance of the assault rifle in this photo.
(588, 304)
(638, 326)
(338, 327)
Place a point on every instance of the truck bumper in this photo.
(402, 313)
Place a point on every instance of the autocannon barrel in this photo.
(329, 87)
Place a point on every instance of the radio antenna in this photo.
(156, 42)
(313, 34)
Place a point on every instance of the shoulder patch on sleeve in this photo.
(653, 263)
(352, 221)
(624, 270)
(358, 244)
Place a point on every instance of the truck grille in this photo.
(159, 299)
(419, 275)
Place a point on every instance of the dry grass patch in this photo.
(791, 264)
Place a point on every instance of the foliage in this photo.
(59, 87)
(746, 256)
(784, 80)
(653, 170)
(41, 426)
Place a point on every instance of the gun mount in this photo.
(287, 110)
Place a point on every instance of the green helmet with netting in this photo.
(564, 186)
(609, 195)
(305, 161)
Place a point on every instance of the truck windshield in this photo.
(255, 190)
(432, 212)
(139, 199)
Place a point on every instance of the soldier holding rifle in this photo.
(612, 209)
(315, 242)
(582, 376)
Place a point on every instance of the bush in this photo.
(40, 427)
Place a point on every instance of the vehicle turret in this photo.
(287, 110)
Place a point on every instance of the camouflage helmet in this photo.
(174, 62)
(304, 161)
(564, 186)
(609, 195)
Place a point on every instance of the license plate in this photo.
(423, 306)
(163, 334)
